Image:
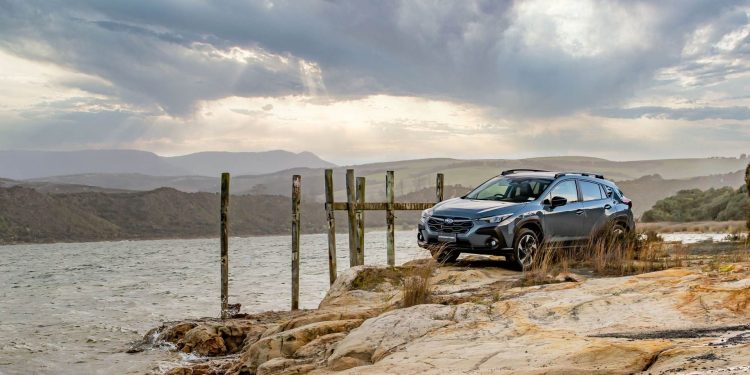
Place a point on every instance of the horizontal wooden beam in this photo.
(382, 206)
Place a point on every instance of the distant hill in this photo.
(31, 216)
(647, 190)
(644, 181)
(57, 188)
(413, 175)
(721, 204)
(246, 163)
(644, 191)
(39, 164)
(135, 181)
(32, 164)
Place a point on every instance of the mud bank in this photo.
(478, 321)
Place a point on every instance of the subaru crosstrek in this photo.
(514, 213)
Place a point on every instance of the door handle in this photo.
(579, 211)
(607, 206)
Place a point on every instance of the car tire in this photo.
(525, 246)
(444, 254)
(619, 230)
(618, 234)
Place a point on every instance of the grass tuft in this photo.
(416, 286)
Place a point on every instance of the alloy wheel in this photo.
(527, 246)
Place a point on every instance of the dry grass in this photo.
(416, 286)
(605, 256)
(724, 262)
(373, 278)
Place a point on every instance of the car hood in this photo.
(474, 209)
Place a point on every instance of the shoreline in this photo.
(660, 227)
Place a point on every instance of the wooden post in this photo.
(296, 181)
(439, 187)
(331, 226)
(361, 222)
(224, 245)
(353, 241)
(390, 219)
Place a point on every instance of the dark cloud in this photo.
(166, 54)
(690, 114)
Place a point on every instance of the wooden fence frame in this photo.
(356, 207)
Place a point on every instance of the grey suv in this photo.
(514, 213)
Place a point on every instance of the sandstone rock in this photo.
(344, 296)
(569, 277)
(376, 337)
(315, 317)
(606, 325)
(703, 359)
(215, 367)
(345, 363)
(286, 343)
(170, 333)
(203, 340)
(320, 346)
(285, 366)
(220, 338)
(176, 332)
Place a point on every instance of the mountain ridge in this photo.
(30, 164)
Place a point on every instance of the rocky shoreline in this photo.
(480, 319)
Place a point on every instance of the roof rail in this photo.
(511, 171)
(587, 174)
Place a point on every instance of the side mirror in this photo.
(558, 201)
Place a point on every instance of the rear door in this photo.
(595, 204)
(564, 223)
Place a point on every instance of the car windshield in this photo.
(509, 189)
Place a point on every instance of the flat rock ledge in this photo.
(478, 321)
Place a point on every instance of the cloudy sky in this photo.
(357, 81)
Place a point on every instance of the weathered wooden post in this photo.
(296, 181)
(361, 221)
(224, 245)
(439, 187)
(331, 226)
(353, 241)
(390, 219)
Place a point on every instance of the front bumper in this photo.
(482, 238)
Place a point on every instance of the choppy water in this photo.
(73, 308)
(694, 237)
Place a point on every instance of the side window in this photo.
(603, 191)
(567, 190)
(590, 191)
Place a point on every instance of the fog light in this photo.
(493, 243)
(420, 237)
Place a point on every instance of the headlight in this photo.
(496, 219)
(425, 214)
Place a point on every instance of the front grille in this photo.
(450, 224)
